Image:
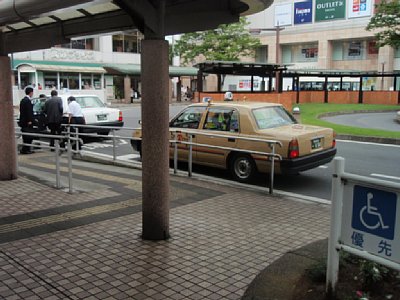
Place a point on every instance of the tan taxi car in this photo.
(303, 147)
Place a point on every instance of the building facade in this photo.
(324, 35)
(107, 66)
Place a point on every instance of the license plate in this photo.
(316, 143)
(101, 117)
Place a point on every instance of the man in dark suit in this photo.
(53, 108)
(26, 119)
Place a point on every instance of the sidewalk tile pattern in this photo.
(218, 245)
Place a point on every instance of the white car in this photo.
(95, 112)
(398, 117)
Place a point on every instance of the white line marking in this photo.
(368, 143)
(385, 176)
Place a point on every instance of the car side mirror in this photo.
(140, 122)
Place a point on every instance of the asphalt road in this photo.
(367, 159)
(384, 121)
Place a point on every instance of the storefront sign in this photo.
(329, 10)
(303, 12)
(359, 8)
(283, 15)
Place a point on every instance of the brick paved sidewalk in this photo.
(54, 245)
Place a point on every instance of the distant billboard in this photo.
(283, 15)
(359, 8)
(329, 10)
(303, 12)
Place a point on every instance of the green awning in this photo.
(134, 69)
(57, 66)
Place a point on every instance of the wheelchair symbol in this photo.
(371, 210)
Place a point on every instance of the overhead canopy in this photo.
(239, 68)
(56, 66)
(135, 69)
(38, 24)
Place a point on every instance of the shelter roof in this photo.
(81, 67)
(38, 24)
(239, 68)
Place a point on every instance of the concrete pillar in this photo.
(155, 139)
(8, 157)
(127, 89)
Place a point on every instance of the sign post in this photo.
(365, 221)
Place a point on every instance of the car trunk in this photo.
(310, 139)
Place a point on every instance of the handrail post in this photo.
(69, 152)
(57, 153)
(190, 155)
(114, 145)
(77, 139)
(176, 153)
(332, 271)
(271, 175)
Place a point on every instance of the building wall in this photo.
(324, 34)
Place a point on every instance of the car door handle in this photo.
(231, 139)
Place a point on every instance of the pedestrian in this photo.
(26, 120)
(53, 108)
(75, 115)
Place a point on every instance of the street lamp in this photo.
(277, 30)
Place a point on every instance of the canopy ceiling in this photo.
(37, 24)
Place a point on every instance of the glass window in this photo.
(50, 80)
(397, 53)
(189, 118)
(337, 51)
(128, 42)
(69, 81)
(271, 117)
(89, 102)
(222, 119)
(305, 53)
(262, 54)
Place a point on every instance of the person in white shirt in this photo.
(75, 115)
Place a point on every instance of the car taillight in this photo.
(120, 119)
(334, 140)
(293, 149)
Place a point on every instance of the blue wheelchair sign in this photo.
(374, 211)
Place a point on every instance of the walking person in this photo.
(53, 108)
(26, 119)
(75, 115)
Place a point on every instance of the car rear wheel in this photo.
(242, 167)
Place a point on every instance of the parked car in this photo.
(398, 116)
(303, 146)
(94, 111)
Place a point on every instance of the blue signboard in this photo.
(302, 12)
(374, 211)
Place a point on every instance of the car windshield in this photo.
(38, 105)
(89, 102)
(271, 117)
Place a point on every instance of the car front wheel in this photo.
(242, 167)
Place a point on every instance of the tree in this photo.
(225, 43)
(387, 20)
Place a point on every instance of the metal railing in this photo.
(71, 133)
(272, 156)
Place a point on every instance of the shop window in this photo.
(350, 50)
(69, 81)
(50, 80)
(300, 53)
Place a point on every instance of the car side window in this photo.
(189, 118)
(222, 119)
